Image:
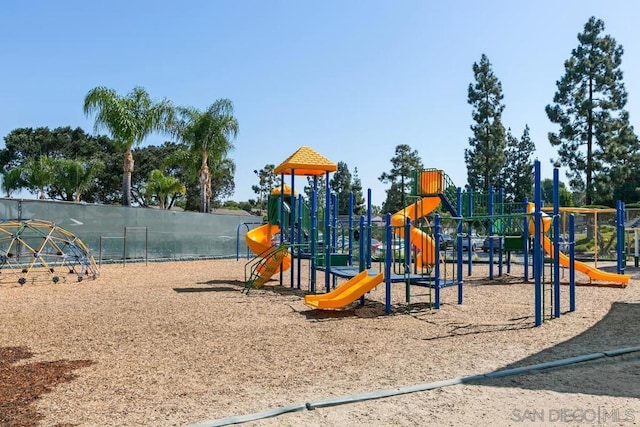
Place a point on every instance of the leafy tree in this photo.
(209, 133)
(403, 164)
(588, 106)
(163, 187)
(267, 180)
(518, 169)
(159, 157)
(485, 158)
(566, 198)
(25, 144)
(246, 206)
(129, 119)
(74, 177)
(183, 163)
(12, 180)
(38, 175)
(222, 183)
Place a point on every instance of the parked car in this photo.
(475, 242)
(497, 243)
(375, 245)
(446, 241)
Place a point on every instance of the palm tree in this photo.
(129, 119)
(38, 174)
(75, 177)
(12, 180)
(209, 133)
(162, 186)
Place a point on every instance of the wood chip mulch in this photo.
(22, 383)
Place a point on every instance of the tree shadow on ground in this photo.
(369, 310)
(214, 286)
(22, 385)
(610, 376)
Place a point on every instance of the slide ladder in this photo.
(264, 266)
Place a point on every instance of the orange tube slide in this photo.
(259, 241)
(419, 238)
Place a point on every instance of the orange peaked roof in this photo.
(306, 161)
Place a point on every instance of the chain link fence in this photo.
(117, 233)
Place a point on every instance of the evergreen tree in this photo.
(403, 164)
(340, 184)
(359, 207)
(518, 176)
(486, 157)
(589, 106)
(619, 180)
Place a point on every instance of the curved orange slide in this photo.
(419, 238)
(346, 293)
(259, 241)
(592, 272)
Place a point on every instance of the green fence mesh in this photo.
(153, 233)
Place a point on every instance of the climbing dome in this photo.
(36, 250)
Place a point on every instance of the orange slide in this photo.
(346, 293)
(259, 241)
(590, 271)
(593, 273)
(419, 238)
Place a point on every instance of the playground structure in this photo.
(422, 262)
(36, 250)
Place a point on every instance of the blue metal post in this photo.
(292, 223)
(621, 255)
(361, 260)
(314, 232)
(361, 265)
(407, 258)
(537, 246)
(459, 258)
(572, 263)
(436, 283)
(470, 257)
(298, 247)
(327, 234)
(369, 231)
(334, 221)
(502, 232)
(491, 212)
(525, 236)
(351, 229)
(281, 223)
(556, 243)
(387, 263)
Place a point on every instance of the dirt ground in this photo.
(177, 343)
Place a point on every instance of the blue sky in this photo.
(351, 79)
